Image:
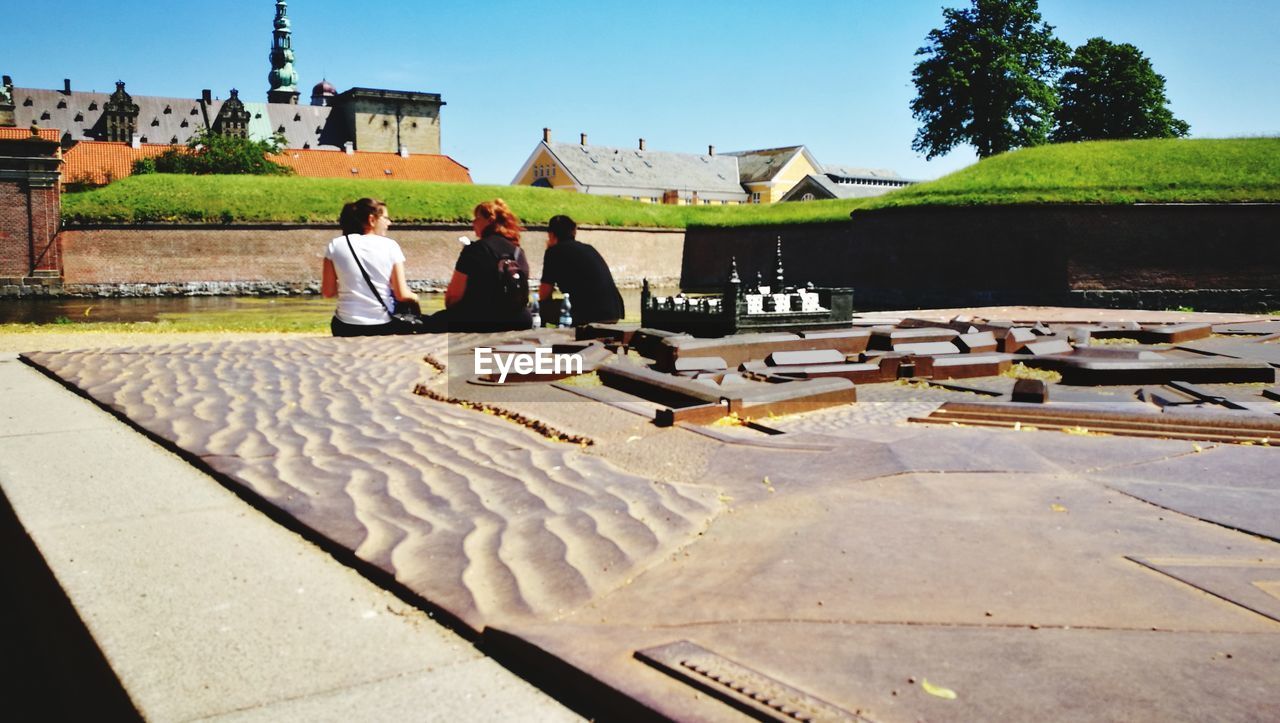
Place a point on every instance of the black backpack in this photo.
(513, 283)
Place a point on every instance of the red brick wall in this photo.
(14, 236)
(174, 255)
(17, 224)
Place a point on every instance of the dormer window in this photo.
(27, 103)
(167, 110)
(297, 117)
(44, 115)
(194, 110)
(93, 105)
(79, 117)
(62, 103)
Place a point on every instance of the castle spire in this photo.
(283, 78)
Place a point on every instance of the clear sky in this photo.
(834, 75)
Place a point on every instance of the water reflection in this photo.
(89, 311)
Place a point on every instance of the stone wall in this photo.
(162, 261)
(1220, 256)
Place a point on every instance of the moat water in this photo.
(89, 311)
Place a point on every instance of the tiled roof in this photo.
(101, 162)
(78, 114)
(603, 166)
(763, 165)
(363, 164)
(19, 134)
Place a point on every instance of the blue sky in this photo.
(834, 75)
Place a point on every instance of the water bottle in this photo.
(533, 308)
(566, 313)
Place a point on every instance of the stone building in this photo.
(368, 119)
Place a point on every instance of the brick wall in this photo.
(168, 255)
(21, 219)
(14, 238)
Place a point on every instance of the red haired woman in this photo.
(489, 287)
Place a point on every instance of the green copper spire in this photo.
(283, 78)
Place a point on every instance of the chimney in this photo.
(642, 144)
(546, 135)
(584, 139)
(206, 96)
(349, 148)
(711, 150)
(66, 86)
(135, 141)
(404, 151)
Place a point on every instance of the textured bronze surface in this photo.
(851, 557)
(755, 693)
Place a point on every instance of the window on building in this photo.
(755, 197)
(807, 197)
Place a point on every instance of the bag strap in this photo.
(365, 274)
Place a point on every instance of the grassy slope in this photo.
(1121, 172)
(1115, 172)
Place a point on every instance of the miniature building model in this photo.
(759, 307)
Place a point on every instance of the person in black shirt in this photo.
(579, 271)
(475, 300)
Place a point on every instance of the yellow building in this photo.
(767, 175)
(635, 173)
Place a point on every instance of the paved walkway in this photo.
(204, 608)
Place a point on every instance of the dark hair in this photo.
(499, 219)
(355, 215)
(563, 227)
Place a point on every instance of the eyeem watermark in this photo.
(537, 361)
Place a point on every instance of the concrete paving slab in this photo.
(469, 691)
(24, 408)
(203, 606)
(94, 475)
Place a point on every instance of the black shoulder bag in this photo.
(406, 316)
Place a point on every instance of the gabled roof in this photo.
(78, 114)
(101, 162)
(763, 165)
(604, 166)
(367, 165)
(162, 120)
(821, 186)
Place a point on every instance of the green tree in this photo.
(986, 79)
(1112, 91)
(213, 153)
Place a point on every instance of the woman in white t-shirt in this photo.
(365, 311)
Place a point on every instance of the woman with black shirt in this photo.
(476, 299)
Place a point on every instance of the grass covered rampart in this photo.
(1102, 172)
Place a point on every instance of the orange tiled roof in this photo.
(17, 134)
(364, 164)
(101, 162)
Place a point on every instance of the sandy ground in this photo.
(88, 339)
